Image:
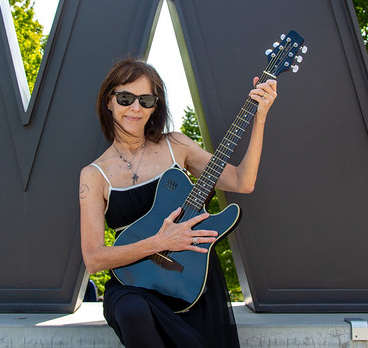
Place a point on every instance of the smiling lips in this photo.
(133, 118)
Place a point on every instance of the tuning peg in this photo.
(304, 49)
(275, 44)
(282, 36)
(268, 52)
(294, 68)
(299, 59)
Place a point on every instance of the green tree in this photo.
(190, 128)
(30, 37)
(361, 10)
(100, 278)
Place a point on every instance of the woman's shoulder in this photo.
(179, 139)
(94, 170)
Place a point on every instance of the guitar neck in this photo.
(209, 177)
(280, 60)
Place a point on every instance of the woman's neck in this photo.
(131, 145)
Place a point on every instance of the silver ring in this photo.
(264, 95)
(195, 241)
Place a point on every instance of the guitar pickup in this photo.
(166, 262)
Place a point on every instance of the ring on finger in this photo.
(264, 95)
(195, 241)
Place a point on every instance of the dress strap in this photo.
(171, 151)
(102, 172)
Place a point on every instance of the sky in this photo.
(164, 56)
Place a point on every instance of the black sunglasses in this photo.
(145, 100)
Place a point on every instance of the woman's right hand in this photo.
(180, 236)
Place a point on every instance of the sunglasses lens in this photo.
(125, 99)
(147, 101)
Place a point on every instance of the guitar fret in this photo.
(221, 167)
(235, 135)
(230, 141)
(223, 153)
(217, 163)
(203, 186)
(200, 192)
(195, 203)
(254, 103)
(209, 179)
(269, 74)
(227, 149)
(189, 205)
(215, 173)
(247, 113)
(238, 127)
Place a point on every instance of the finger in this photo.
(273, 84)
(265, 88)
(255, 81)
(204, 233)
(198, 249)
(202, 240)
(173, 215)
(197, 219)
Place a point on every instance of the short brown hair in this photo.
(127, 71)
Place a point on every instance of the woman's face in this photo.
(132, 118)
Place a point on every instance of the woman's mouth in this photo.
(133, 118)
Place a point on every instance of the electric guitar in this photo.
(182, 275)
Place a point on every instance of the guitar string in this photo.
(241, 122)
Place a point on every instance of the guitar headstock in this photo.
(283, 55)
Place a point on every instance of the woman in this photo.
(120, 185)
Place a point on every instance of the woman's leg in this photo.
(136, 323)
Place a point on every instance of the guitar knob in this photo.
(294, 68)
(282, 36)
(304, 49)
(275, 44)
(268, 52)
(299, 59)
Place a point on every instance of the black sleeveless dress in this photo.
(210, 322)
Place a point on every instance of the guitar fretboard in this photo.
(209, 177)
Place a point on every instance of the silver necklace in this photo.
(130, 163)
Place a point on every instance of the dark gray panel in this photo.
(303, 236)
(43, 149)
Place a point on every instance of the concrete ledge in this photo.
(87, 328)
(295, 330)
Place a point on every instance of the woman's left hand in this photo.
(265, 94)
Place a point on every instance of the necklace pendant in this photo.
(135, 178)
(129, 165)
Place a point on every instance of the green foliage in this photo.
(30, 38)
(100, 278)
(190, 128)
(361, 10)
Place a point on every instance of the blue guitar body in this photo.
(186, 283)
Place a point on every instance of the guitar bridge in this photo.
(166, 262)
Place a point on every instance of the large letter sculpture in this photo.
(303, 237)
(44, 148)
(302, 241)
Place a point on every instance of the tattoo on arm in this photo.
(83, 191)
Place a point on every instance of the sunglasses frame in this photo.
(136, 97)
